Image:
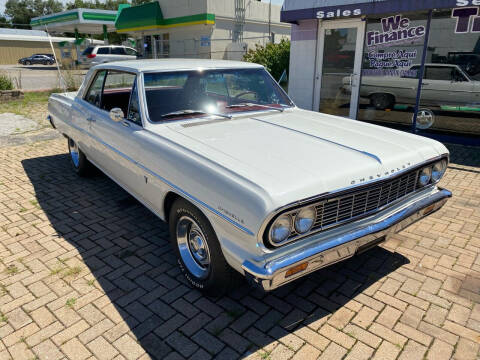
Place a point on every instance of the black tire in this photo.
(45, 63)
(382, 101)
(219, 276)
(27, 63)
(79, 161)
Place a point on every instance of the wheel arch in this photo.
(168, 201)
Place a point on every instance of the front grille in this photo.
(361, 202)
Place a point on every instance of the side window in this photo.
(458, 76)
(118, 51)
(117, 91)
(439, 73)
(103, 51)
(130, 52)
(94, 93)
(134, 107)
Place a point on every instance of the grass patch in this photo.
(74, 271)
(70, 303)
(4, 289)
(11, 269)
(91, 282)
(3, 318)
(32, 106)
(55, 271)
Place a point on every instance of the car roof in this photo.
(176, 64)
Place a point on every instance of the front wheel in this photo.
(78, 159)
(198, 251)
(27, 63)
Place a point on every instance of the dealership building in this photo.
(411, 64)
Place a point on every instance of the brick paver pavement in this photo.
(87, 272)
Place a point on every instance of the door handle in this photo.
(90, 119)
(126, 123)
(423, 83)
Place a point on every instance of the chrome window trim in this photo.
(262, 233)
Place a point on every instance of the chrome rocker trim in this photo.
(324, 253)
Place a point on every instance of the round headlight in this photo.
(438, 170)
(281, 228)
(305, 219)
(425, 176)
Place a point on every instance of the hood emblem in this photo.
(379, 175)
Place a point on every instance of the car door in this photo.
(442, 86)
(85, 110)
(119, 143)
(103, 54)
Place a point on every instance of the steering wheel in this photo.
(245, 93)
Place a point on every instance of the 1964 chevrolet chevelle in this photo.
(247, 181)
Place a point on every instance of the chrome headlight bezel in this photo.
(424, 176)
(438, 170)
(308, 213)
(283, 221)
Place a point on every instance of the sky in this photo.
(2, 3)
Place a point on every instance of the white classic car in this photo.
(443, 84)
(247, 181)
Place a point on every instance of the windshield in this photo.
(199, 93)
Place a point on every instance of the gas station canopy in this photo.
(86, 21)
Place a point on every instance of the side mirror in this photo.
(117, 115)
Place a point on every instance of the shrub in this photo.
(275, 57)
(5, 82)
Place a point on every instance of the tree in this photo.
(275, 57)
(4, 22)
(20, 12)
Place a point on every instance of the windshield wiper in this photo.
(246, 104)
(191, 112)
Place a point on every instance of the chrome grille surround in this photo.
(354, 203)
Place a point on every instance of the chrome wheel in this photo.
(193, 247)
(74, 152)
(425, 119)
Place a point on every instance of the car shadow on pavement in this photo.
(38, 67)
(127, 250)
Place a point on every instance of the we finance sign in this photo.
(395, 29)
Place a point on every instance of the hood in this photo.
(298, 154)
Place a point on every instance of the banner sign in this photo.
(309, 9)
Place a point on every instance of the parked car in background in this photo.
(443, 84)
(94, 55)
(469, 62)
(247, 181)
(37, 59)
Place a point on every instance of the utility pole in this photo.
(270, 21)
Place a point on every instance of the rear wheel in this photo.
(198, 251)
(27, 62)
(45, 63)
(78, 159)
(382, 101)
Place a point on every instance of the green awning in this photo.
(149, 17)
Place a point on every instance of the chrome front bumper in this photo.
(323, 253)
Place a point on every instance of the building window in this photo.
(390, 68)
(450, 96)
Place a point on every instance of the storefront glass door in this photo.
(339, 64)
